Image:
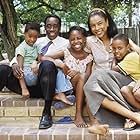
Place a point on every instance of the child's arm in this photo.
(19, 56)
(17, 71)
(114, 66)
(20, 60)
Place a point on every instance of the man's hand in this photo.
(17, 71)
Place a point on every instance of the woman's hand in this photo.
(134, 46)
(17, 71)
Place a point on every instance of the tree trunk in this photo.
(8, 27)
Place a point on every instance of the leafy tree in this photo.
(17, 12)
(8, 26)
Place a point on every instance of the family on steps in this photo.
(102, 70)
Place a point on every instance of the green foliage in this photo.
(30, 11)
(122, 19)
(71, 10)
(77, 13)
(1, 18)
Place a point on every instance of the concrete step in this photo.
(19, 119)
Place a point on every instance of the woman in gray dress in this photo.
(102, 89)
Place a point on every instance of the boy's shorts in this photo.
(29, 76)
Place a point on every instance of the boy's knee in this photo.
(125, 91)
(137, 95)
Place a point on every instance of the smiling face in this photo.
(120, 49)
(52, 27)
(77, 40)
(98, 25)
(31, 36)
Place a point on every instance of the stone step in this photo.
(19, 119)
(13, 105)
(28, 130)
(16, 107)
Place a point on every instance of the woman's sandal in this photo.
(130, 125)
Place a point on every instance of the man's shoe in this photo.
(45, 122)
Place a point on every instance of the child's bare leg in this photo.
(25, 92)
(78, 82)
(118, 108)
(62, 97)
(129, 96)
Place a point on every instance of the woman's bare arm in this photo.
(134, 47)
(88, 70)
